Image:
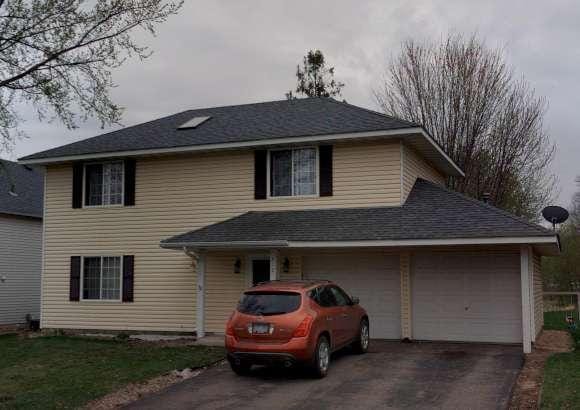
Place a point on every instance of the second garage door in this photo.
(373, 277)
(473, 297)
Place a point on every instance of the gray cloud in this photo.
(224, 52)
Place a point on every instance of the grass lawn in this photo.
(67, 372)
(561, 388)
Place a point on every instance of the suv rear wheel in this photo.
(321, 357)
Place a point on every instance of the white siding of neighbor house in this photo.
(538, 293)
(416, 167)
(20, 265)
(176, 194)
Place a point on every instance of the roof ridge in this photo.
(380, 114)
(487, 206)
(256, 103)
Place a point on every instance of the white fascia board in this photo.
(362, 244)
(441, 152)
(249, 144)
(426, 242)
(225, 245)
(228, 145)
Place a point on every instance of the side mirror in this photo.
(355, 300)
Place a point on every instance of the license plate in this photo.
(260, 328)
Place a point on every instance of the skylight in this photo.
(193, 123)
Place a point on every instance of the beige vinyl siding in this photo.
(20, 263)
(175, 194)
(224, 287)
(416, 167)
(538, 293)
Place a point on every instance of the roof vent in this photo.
(193, 123)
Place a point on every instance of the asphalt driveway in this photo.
(390, 375)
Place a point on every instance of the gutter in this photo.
(401, 132)
(533, 240)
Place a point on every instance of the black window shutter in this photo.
(77, 185)
(75, 278)
(325, 165)
(260, 174)
(129, 182)
(128, 273)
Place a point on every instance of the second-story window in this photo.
(293, 172)
(104, 184)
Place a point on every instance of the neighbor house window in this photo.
(104, 184)
(101, 278)
(293, 172)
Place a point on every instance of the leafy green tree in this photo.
(57, 55)
(315, 79)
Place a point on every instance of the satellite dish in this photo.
(555, 215)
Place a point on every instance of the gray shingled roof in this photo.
(238, 123)
(430, 212)
(28, 185)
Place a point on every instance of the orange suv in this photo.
(289, 323)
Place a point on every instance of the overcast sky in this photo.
(231, 52)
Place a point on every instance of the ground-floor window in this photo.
(101, 278)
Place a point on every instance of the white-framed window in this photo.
(293, 172)
(101, 278)
(104, 183)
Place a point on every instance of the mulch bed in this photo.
(526, 393)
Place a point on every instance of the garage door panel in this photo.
(466, 296)
(373, 278)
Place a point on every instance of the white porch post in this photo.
(200, 300)
(525, 289)
(274, 257)
(532, 299)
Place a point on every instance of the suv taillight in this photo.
(303, 328)
(230, 326)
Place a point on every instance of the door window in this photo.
(260, 271)
(323, 296)
(340, 296)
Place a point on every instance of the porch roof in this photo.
(431, 215)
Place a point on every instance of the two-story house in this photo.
(159, 227)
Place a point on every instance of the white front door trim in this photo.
(200, 300)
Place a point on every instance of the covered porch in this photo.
(421, 274)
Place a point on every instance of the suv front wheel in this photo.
(361, 345)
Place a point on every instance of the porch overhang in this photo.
(544, 245)
(432, 216)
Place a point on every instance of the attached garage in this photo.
(373, 277)
(473, 297)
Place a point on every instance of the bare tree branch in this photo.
(58, 56)
(464, 94)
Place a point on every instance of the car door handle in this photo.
(329, 318)
(344, 315)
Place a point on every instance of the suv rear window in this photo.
(269, 303)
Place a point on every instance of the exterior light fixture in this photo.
(238, 265)
(286, 265)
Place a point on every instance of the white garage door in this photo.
(374, 278)
(472, 297)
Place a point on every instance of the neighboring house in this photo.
(21, 190)
(161, 226)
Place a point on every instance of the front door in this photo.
(260, 271)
